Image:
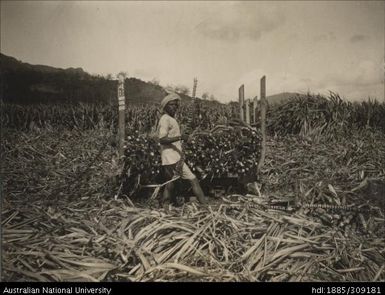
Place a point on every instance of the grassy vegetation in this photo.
(330, 116)
(62, 222)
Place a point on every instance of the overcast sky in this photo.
(299, 46)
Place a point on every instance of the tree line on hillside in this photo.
(23, 83)
(29, 87)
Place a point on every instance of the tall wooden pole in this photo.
(195, 87)
(196, 110)
(251, 104)
(263, 123)
(242, 102)
(122, 108)
(255, 108)
(247, 109)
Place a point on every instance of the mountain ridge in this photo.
(27, 83)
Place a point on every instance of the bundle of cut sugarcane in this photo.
(230, 151)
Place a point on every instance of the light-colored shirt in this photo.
(169, 127)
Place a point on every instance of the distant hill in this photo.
(11, 64)
(26, 83)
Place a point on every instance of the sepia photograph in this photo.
(192, 141)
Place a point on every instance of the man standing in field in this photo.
(171, 150)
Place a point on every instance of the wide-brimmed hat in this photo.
(167, 99)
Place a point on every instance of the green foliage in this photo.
(141, 117)
(316, 115)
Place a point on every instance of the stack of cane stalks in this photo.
(222, 153)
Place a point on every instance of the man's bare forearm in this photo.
(169, 140)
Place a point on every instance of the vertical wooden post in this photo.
(242, 102)
(195, 87)
(263, 123)
(195, 105)
(251, 107)
(255, 109)
(247, 109)
(122, 108)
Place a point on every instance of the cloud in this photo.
(241, 20)
(358, 38)
(367, 72)
(222, 31)
(146, 73)
(330, 36)
(365, 79)
(360, 82)
(275, 83)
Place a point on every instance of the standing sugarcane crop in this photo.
(171, 150)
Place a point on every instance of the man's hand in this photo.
(185, 137)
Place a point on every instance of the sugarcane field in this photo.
(315, 211)
(114, 179)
